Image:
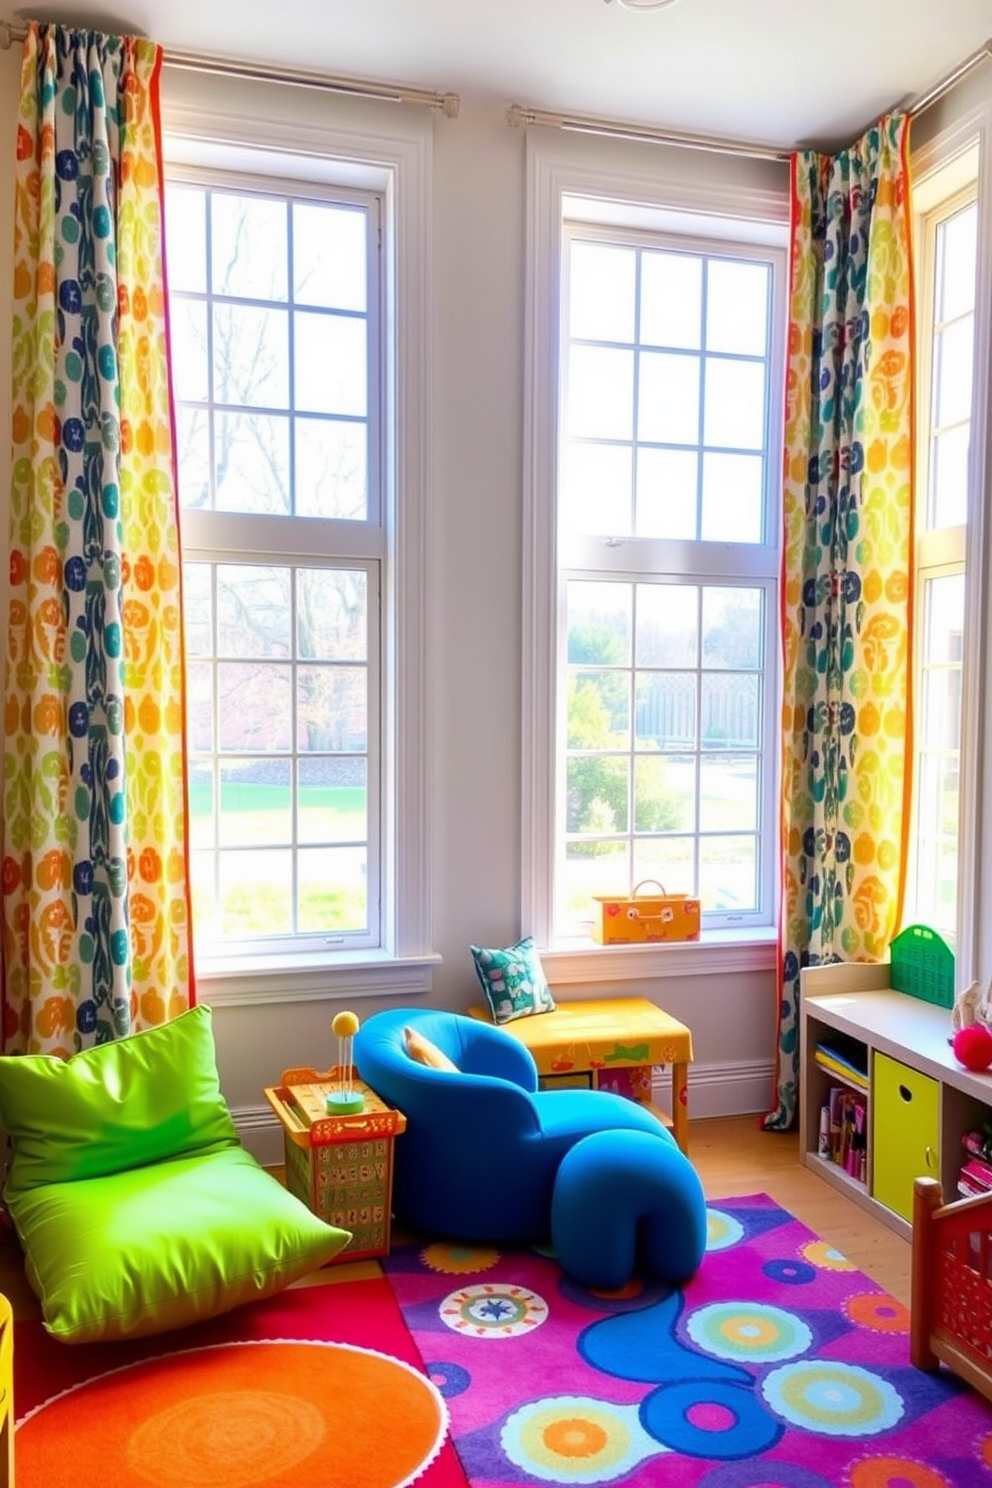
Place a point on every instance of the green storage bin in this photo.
(923, 965)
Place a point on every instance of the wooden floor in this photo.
(733, 1157)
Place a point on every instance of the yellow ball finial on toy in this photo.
(344, 1100)
(345, 1025)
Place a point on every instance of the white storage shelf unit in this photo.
(855, 999)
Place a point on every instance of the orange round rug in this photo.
(241, 1415)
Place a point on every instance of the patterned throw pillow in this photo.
(513, 981)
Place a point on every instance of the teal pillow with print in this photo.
(513, 980)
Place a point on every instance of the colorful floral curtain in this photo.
(96, 921)
(847, 564)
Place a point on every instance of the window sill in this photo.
(717, 953)
(245, 981)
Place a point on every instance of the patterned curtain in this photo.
(96, 922)
(846, 568)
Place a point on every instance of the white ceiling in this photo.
(782, 72)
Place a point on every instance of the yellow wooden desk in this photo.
(609, 1034)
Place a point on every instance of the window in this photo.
(299, 308)
(655, 525)
(275, 348)
(947, 238)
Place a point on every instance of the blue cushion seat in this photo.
(627, 1200)
(482, 1144)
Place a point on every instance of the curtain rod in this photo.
(518, 116)
(446, 103)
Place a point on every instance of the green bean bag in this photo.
(136, 1205)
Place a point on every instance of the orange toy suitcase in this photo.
(640, 919)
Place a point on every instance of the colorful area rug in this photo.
(778, 1366)
(318, 1386)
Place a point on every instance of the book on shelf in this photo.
(844, 1057)
(843, 1137)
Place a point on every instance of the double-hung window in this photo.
(941, 841)
(662, 477)
(274, 303)
(300, 306)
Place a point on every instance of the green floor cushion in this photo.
(153, 1248)
(138, 1100)
(137, 1207)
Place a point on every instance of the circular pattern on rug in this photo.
(751, 1333)
(706, 1418)
(877, 1312)
(832, 1398)
(896, 1472)
(458, 1260)
(243, 1415)
(826, 1257)
(763, 1474)
(790, 1273)
(574, 1439)
(451, 1379)
(493, 1310)
(722, 1230)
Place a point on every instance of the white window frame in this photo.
(934, 182)
(721, 204)
(397, 163)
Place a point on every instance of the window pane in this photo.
(332, 800)
(256, 803)
(197, 609)
(735, 404)
(256, 892)
(331, 469)
(728, 792)
(952, 359)
(670, 861)
(594, 488)
(331, 364)
(598, 791)
(251, 356)
(733, 498)
(944, 609)
(332, 614)
(956, 248)
(200, 786)
(729, 711)
(601, 292)
(193, 457)
(199, 705)
(186, 238)
(728, 874)
(589, 868)
(671, 300)
(599, 711)
(253, 610)
(666, 493)
(599, 623)
(333, 893)
(665, 710)
(600, 393)
(737, 307)
(249, 247)
(188, 350)
(253, 706)
(252, 463)
(329, 256)
(949, 477)
(664, 799)
(667, 625)
(733, 627)
(332, 709)
(668, 398)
